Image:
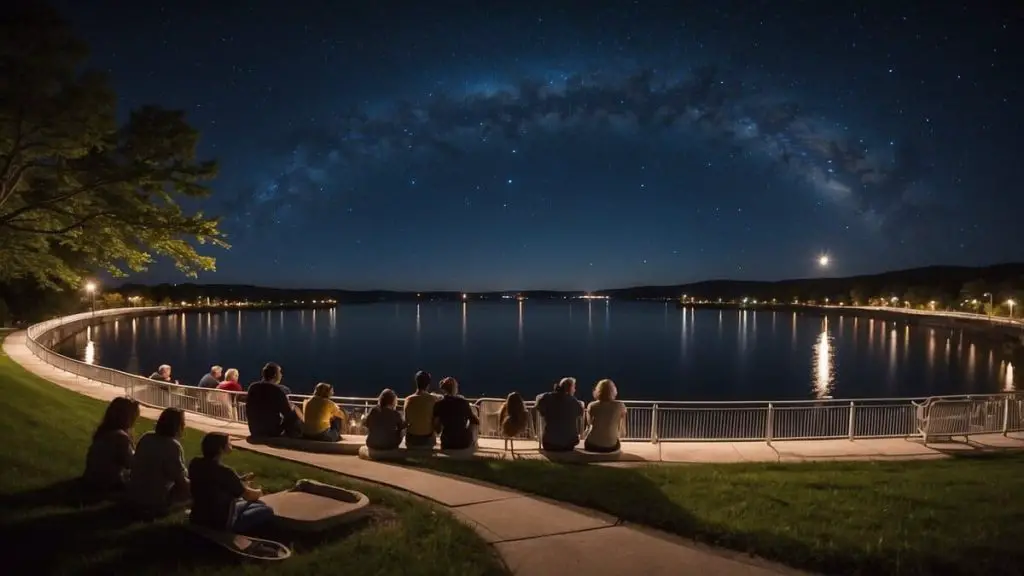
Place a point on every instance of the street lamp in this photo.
(90, 287)
(989, 294)
(1011, 303)
(823, 260)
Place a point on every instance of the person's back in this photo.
(215, 488)
(561, 412)
(268, 411)
(109, 460)
(208, 381)
(454, 415)
(605, 419)
(419, 413)
(384, 428)
(158, 464)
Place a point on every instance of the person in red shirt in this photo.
(230, 382)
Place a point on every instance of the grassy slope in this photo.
(962, 516)
(46, 432)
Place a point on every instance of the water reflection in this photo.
(823, 359)
(1008, 384)
(90, 347)
(792, 330)
(590, 317)
(520, 323)
(464, 305)
(332, 321)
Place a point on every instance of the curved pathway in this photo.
(533, 536)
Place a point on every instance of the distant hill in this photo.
(942, 283)
(933, 282)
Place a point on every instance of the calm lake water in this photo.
(652, 351)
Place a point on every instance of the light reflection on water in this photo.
(823, 361)
(375, 345)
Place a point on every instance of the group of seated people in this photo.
(444, 414)
(150, 476)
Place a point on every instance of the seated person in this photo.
(109, 461)
(321, 417)
(606, 417)
(163, 374)
(159, 480)
(212, 378)
(454, 417)
(384, 423)
(221, 500)
(230, 382)
(419, 414)
(561, 412)
(267, 409)
(513, 416)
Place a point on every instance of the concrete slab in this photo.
(519, 518)
(313, 506)
(619, 550)
(755, 451)
(694, 452)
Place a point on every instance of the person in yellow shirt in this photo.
(322, 419)
(419, 414)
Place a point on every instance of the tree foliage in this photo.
(78, 192)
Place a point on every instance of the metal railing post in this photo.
(654, 425)
(851, 431)
(769, 425)
(1006, 415)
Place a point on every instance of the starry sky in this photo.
(584, 145)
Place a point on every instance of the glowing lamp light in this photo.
(90, 287)
(823, 260)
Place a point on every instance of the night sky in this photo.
(585, 145)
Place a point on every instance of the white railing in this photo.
(645, 420)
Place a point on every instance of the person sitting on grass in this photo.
(384, 423)
(513, 419)
(322, 419)
(221, 499)
(606, 419)
(454, 418)
(159, 479)
(419, 414)
(268, 410)
(561, 413)
(109, 460)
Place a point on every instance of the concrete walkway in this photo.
(538, 537)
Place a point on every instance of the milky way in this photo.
(883, 182)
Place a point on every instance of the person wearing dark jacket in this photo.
(267, 408)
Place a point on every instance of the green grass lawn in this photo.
(957, 516)
(47, 530)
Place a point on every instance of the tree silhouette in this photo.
(78, 192)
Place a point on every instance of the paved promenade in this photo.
(538, 537)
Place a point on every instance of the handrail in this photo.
(647, 420)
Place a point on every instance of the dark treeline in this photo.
(983, 289)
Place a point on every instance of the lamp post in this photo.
(91, 289)
(1011, 303)
(989, 294)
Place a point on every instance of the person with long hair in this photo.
(606, 419)
(109, 460)
(384, 423)
(159, 479)
(513, 418)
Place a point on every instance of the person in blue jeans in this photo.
(221, 499)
